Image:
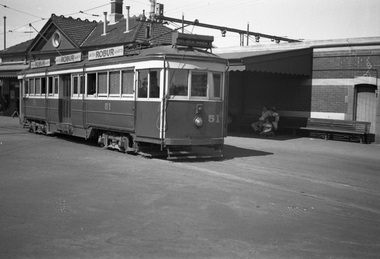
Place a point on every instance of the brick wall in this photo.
(341, 63)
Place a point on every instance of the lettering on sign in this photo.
(40, 63)
(77, 57)
(106, 53)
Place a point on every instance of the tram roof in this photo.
(134, 55)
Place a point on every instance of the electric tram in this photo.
(170, 97)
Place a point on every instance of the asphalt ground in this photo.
(284, 197)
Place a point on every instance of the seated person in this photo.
(275, 117)
(258, 124)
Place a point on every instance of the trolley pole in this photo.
(5, 31)
(247, 33)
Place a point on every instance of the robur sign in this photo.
(77, 57)
(106, 53)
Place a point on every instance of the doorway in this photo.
(365, 104)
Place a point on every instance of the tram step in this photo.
(195, 153)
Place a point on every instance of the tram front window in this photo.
(143, 84)
(178, 81)
(149, 84)
(199, 84)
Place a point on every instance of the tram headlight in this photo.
(198, 122)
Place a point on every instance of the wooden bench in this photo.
(326, 128)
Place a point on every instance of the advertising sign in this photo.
(76, 57)
(40, 63)
(106, 53)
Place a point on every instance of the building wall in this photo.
(337, 74)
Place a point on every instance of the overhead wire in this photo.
(5, 6)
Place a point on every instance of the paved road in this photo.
(268, 198)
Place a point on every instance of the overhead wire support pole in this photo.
(241, 32)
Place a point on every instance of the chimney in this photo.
(127, 20)
(105, 24)
(152, 9)
(116, 11)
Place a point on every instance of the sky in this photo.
(295, 19)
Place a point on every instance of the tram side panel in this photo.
(34, 108)
(108, 114)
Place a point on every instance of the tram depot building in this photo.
(332, 79)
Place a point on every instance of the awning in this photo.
(294, 62)
(11, 70)
(7, 75)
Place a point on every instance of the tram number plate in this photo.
(214, 118)
(107, 106)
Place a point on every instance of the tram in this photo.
(170, 97)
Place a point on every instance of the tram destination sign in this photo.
(40, 63)
(192, 40)
(106, 53)
(76, 57)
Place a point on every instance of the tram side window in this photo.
(154, 84)
(75, 85)
(32, 86)
(102, 83)
(50, 85)
(56, 83)
(178, 82)
(38, 86)
(114, 83)
(127, 81)
(26, 86)
(91, 84)
(82, 85)
(43, 85)
(199, 84)
(216, 88)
